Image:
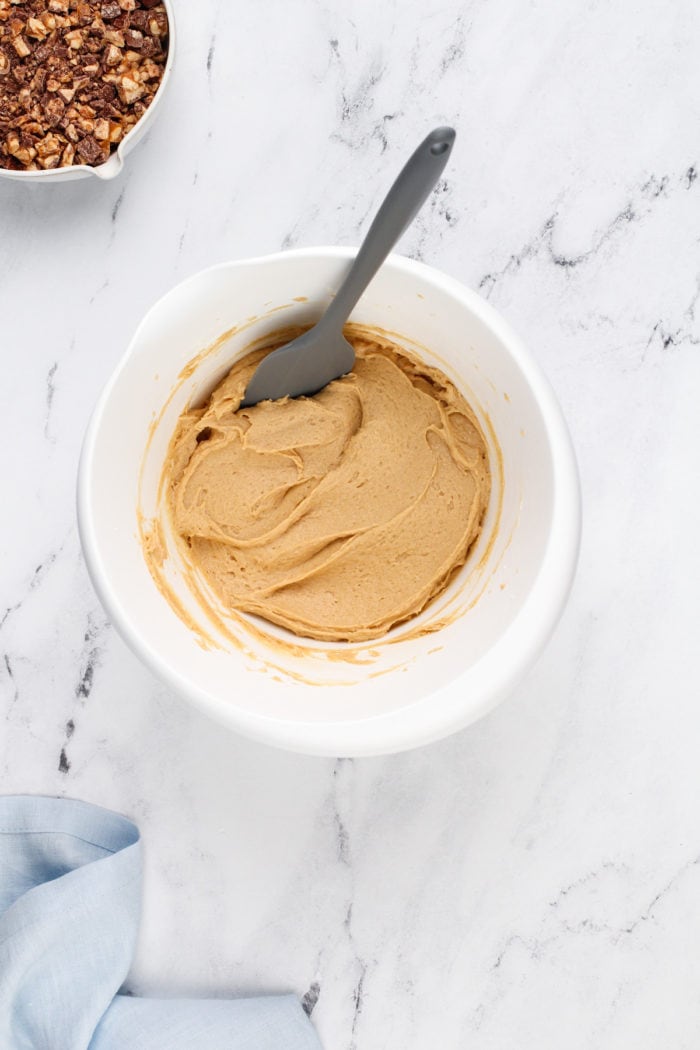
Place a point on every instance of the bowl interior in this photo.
(295, 694)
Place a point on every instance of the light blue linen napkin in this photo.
(70, 888)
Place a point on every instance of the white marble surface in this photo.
(533, 882)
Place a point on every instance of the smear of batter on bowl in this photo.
(335, 516)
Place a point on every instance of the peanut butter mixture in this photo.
(339, 515)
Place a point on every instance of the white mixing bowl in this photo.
(428, 677)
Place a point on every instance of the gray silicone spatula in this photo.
(311, 361)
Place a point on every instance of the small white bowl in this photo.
(112, 167)
(318, 698)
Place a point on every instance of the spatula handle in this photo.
(401, 205)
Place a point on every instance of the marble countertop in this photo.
(534, 881)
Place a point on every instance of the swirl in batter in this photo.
(336, 516)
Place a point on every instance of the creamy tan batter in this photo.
(336, 516)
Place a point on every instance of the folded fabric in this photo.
(70, 888)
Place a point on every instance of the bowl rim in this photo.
(494, 674)
(115, 163)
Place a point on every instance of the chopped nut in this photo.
(23, 153)
(36, 29)
(110, 11)
(59, 7)
(74, 39)
(5, 64)
(129, 89)
(49, 145)
(158, 23)
(54, 110)
(114, 36)
(101, 129)
(150, 70)
(112, 55)
(68, 155)
(21, 46)
(52, 161)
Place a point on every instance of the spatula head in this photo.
(304, 366)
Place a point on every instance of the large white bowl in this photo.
(112, 167)
(314, 697)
